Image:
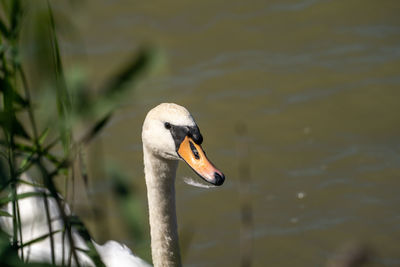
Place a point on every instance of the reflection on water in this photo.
(317, 84)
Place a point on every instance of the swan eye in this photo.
(167, 125)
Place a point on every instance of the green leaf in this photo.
(29, 159)
(18, 129)
(12, 125)
(5, 213)
(3, 29)
(25, 148)
(40, 238)
(132, 70)
(16, 12)
(82, 250)
(32, 150)
(5, 200)
(43, 136)
(96, 128)
(64, 105)
(11, 96)
(31, 184)
(2, 49)
(7, 117)
(25, 162)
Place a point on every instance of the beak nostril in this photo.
(194, 150)
(219, 178)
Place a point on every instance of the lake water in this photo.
(298, 103)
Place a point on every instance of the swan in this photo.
(169, 134)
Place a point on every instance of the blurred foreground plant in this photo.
(32, 143)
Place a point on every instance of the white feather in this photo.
(160, 160)
(192, 182)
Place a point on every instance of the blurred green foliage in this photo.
(39, 111)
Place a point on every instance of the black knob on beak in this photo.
(219, 178)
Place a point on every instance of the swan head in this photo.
(170, 132)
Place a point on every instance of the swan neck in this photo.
(160, 181)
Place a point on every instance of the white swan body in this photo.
(169, 134)
(34, 225)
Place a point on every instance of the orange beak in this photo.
(195, 157)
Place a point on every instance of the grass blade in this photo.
(96, 128)
(10, 123)
(15, 97)
(5, 200)
(138, 64)
(40, 238)
(3, 29)
(5, 213)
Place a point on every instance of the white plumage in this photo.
(34, 225)
(161, 156)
